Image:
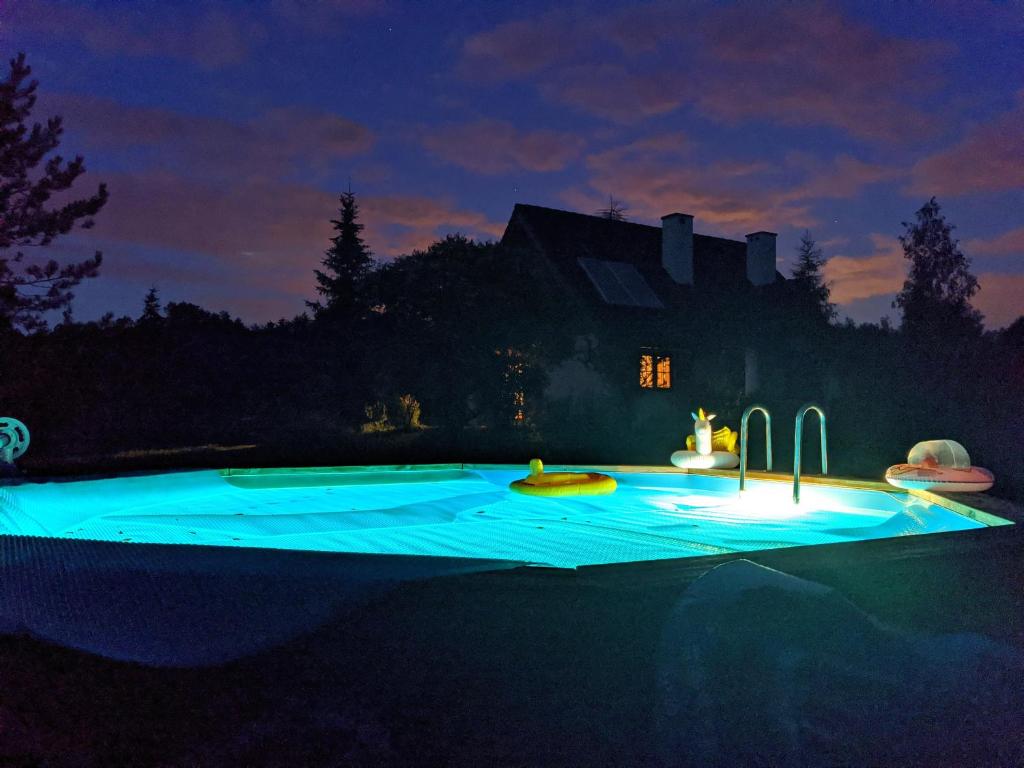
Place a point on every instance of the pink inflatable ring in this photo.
(939, 465)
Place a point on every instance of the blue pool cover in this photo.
(463, 514)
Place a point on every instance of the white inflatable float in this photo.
(939, 465)
(704, 441)
(713, 460)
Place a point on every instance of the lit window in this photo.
(664, 371)
(647, 371)
(655, 371)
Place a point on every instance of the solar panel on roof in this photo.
(620, 283)
(611, 290)
(635, 285)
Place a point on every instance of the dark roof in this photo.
(565, 237)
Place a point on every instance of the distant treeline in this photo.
(468, 344)
(453, 337)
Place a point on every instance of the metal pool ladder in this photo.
(797, 439)
(745, 433)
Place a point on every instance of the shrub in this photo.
(376, 418)
(409, 413)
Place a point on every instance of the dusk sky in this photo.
(225, 131)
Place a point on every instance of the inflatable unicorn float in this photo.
(707, 449)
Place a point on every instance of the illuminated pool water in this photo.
(466, 513)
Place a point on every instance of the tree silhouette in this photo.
(459, 319)
(809, 281)
(347, 264)
(151, 307)
(616, 210)
(29, 290)
(936, 296)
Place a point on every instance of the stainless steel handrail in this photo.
(744, 435)
(798, 434)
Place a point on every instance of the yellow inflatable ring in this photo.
(541, 483)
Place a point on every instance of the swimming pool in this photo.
(464, 511)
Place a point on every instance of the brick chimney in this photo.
(761, 258)
(677, 247)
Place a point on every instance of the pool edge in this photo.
(1008, 513)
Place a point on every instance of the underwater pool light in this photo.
(775, 502)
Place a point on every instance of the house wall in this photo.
(751, 374)
(761, 258)
(575, 381)
(677, 247)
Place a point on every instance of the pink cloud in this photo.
(208, 34)
(854, 278)
(839, 241)
(616, 93)
(262, 218)
(667, 172)
(660, 174)
(1010, 243)
(403, 222)
(644, 28)
(668, 147)
(523, 47)
(987, 159)
(794, 64)
(1000, 298)
(275, 142)
(211, 37)
(494, 146)
(302, 129)
(266, 222)
(808, 64)
(842, 177)
(561, 49)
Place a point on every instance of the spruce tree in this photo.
(809, 281)
(151, 307)
(936, 296)
(347, 264)
(30, 290)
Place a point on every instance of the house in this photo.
(669, 303)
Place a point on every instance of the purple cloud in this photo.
(275, 142)
(794, 64)
(495, 146)
(987, 159)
